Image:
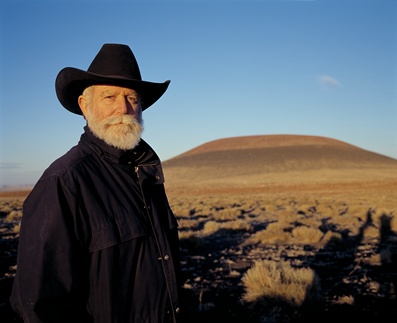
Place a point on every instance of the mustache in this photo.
(121, 119)
(127, 120)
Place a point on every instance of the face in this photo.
(113, 114)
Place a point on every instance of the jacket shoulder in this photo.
(67, 164)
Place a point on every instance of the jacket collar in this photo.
(139, 155)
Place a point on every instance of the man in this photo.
(98, 240)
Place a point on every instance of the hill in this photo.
(260, 161)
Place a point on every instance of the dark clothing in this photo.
(98, 240)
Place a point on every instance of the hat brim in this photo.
(71, 82)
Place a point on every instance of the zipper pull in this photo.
(137, 174)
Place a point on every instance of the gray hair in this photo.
(88, 91)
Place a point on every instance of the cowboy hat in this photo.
(114, 64)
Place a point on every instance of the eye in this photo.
(133, 99)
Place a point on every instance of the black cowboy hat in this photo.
(114, 64)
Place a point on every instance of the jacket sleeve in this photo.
(51, 280)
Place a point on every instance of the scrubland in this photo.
(320, 253)
(288, 254)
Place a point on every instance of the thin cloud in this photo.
(10, 165)
(328, 81)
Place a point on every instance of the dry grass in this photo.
(256, 224)
(258, 232)
(279, 281)
(13, 216)
(11, 211)
(314, 218)
(311, 218)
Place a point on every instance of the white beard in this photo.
(123, 132)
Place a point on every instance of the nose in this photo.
(124, 106)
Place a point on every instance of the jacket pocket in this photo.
(117, 229)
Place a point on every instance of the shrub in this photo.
(188, 224)
(227, 214)
(14, 216)
(273, 234)
(279, 281)
(306, 235)
(17, 228)
(211, 227)
(238, 225)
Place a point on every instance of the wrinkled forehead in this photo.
(113, 89)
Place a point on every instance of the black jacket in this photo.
(98, 240)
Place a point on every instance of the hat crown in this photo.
(115, 64)
(116, 60)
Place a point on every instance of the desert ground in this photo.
(347, 236)
(291, 243)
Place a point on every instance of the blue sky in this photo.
(322, 67)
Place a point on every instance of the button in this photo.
(166, 257)
(177, 310)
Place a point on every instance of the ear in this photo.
(83, 103)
